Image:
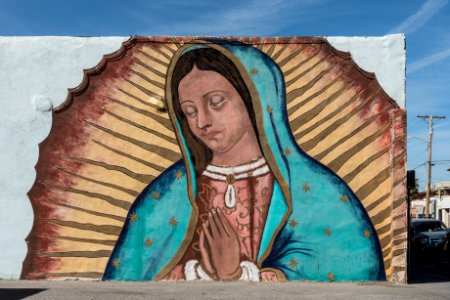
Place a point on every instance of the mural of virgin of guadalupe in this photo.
(236, 201)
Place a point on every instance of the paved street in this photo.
(306, 290)
(430, 281)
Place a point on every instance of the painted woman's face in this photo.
(214, 109)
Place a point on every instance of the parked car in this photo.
(444, 253)
(427, 235)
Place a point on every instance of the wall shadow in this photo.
(18, 293)
(428, 267)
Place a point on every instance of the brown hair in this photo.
(206, 59)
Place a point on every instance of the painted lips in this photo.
(210, 134)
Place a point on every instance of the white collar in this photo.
(231, 174)
(244, 168)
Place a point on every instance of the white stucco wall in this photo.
(35, 73)
(385, 56)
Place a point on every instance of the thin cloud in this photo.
(426, 61)
(421, 17)
(248, 18)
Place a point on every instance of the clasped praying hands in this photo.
(219, 247)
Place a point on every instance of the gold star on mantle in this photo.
(344, 198)
(179, 174)
(116, 262)
(254, 71)
(331, 276)
(133, 217)
(293, 263)
(287, 151)
(293, 223)
(173, 222)
(156, 195)
(367, 233)
(269, 109)
(148, 243)
(306, 187)
(328, 232)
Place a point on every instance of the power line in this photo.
(413, 158)
(420, 165)
(434, 162)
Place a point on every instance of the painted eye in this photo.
(190, 113)
(216, 101)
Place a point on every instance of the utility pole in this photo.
(430, 142)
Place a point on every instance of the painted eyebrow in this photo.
(205, 95)
(185, 101)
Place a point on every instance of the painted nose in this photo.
(203, 120)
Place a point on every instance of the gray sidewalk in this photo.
(182, 290)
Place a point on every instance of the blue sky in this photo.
(426, 24)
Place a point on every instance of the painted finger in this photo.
(219, 223)
(204, 251)
(226, 225)
(230, 229)
(212, 224)
(201, 242)
(208, 235)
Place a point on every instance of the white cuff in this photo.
(193, 271)
(202, 274)
(189, 270)
(250, 271)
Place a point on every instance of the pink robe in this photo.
(247, 218)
